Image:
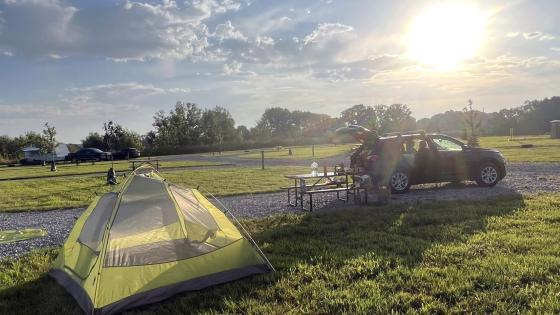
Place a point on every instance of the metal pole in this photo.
(262, 160)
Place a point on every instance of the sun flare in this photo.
(444, 35)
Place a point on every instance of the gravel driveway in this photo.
(522, 178)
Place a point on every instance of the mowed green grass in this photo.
(500, 256)
(298, 152)
(544, 150)
(86, 168)
(78, 191)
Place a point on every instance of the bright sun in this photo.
(445, 35)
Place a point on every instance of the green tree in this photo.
(49, 134)
(117, 137)
(94, 140)
(180, 127)
(218, 127)
(471, 123)
(276, 122)
(244, 133)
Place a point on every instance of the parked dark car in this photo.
(128, 153)
(409, 158)
(89, 154)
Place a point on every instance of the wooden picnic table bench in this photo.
(335, 182)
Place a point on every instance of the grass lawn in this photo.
(544, 150)
(500, 256)
(78, 191)
(85, 168)
(298, 152)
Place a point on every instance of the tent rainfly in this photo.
(149, 241)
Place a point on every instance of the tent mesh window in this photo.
(92, 231)
(147, 229)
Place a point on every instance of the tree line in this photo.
(188, 128)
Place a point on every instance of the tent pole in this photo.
(244, 230)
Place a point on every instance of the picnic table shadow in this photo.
(398, 233)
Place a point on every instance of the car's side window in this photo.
(444, 144)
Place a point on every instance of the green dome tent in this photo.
(149, 241)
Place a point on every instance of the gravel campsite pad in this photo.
(522, 178)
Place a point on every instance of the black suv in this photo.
(89, 154)
(404, 159)
(128, 153)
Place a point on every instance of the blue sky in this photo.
(79, 63)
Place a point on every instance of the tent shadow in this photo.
(398, 234)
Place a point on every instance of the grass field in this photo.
(500, 256)
(78, 191)
(85, 168)
(298, 152)
(544, 150)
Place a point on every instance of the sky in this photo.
(79, 63)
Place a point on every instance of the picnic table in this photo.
(322, 182)
(140, 162)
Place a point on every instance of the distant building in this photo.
(555, 129)
(33, 155)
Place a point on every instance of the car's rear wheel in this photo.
(488, 175)
(400, 181)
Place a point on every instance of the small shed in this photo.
(555, 129)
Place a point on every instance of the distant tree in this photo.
(180, 127)
(396, 117)
(49, 134)
(360, 115)
(218, 127)
(277, 122)
(31, 138)
(383, 118)
(94, 140)
(471, 122)
(149, 139)
(244, 133)
(8, 147)
(117, 137)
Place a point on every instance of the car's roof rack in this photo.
(405, 133)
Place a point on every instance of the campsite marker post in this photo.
(262, 159)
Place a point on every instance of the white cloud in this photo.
(326, 31)
(555, 49)
(513, 34)
(264, 40)
(55, 56)
(130, 31)
(123, 90)
(538, 35)
(227, 31)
